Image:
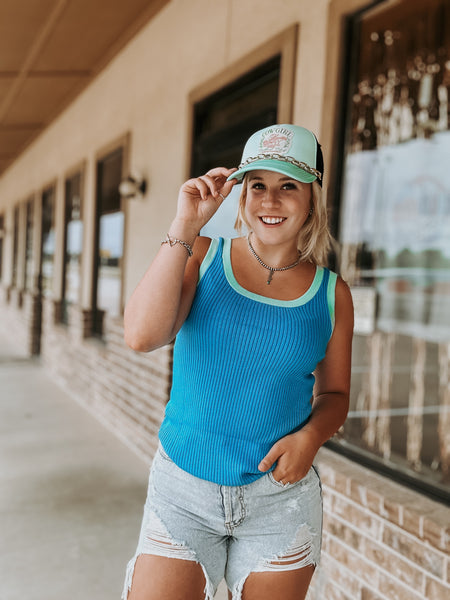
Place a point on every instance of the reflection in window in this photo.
(73, 243)
(110, 224)
(29, 207)
(395, 224)
(48, 241)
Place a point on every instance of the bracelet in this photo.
(172, 241)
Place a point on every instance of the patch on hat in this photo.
(276, 139)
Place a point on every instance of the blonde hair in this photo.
(314, 240)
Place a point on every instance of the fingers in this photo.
(228, 186)
(203, 187)
(286, 476)
(219, 175)
(209, 188)
(220, 172)
(290, 465)
(213, 184)
(272, 456)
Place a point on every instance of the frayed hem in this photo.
(160, 543)
(209, 590)
(129, 577)
(298, 555)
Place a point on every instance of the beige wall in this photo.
(145, 91)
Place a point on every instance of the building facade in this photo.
(372, 80)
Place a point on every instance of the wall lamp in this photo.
(132, 187)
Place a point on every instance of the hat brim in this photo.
(276, 166)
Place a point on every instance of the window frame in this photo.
(78, 171)
(121, 143)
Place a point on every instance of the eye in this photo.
(289, 185)
(257, 185)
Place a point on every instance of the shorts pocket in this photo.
(287, 486)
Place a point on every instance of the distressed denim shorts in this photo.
(231, 531)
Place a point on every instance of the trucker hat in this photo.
(288, 149)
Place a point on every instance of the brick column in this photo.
(32, 312)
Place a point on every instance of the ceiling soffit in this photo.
(50, 50)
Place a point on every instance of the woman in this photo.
(232, 490)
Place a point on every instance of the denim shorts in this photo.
(231, 531)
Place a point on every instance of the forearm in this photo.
(152, 312)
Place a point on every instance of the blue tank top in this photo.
(242, 371)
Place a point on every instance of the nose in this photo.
(271, 198)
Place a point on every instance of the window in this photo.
(73, 243)
(15, 253)
(29, 210)
(224, 121)
(394, 230)
(47, 241)
(109, 246)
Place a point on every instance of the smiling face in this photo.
(276, 206)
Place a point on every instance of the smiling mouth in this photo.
(272, 220)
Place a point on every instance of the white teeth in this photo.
(272, 220)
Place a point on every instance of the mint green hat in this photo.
(288, 149)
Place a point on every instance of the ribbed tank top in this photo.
(242, 371)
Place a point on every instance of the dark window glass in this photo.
(15, 246)
(222, 124)
(48, 241)
(73, 243)
(225, 120)
(110, 231)
(29, 208)
(395, 234)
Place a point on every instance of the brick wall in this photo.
(21, 318)
(126, 390)
(381, 540)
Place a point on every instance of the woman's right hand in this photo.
(163, 298)
(199, 198)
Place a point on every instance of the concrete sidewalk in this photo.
(71, 493)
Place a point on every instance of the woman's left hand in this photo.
(294, 455)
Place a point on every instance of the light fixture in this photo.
(132, 187)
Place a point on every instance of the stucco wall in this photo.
(145, 91)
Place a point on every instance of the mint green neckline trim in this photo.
(209, 257)
(303, 299)
(331, 294)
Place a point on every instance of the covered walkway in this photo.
(71, 493)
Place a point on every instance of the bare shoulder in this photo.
(200, 248)
(343, 290)
(344, 303)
